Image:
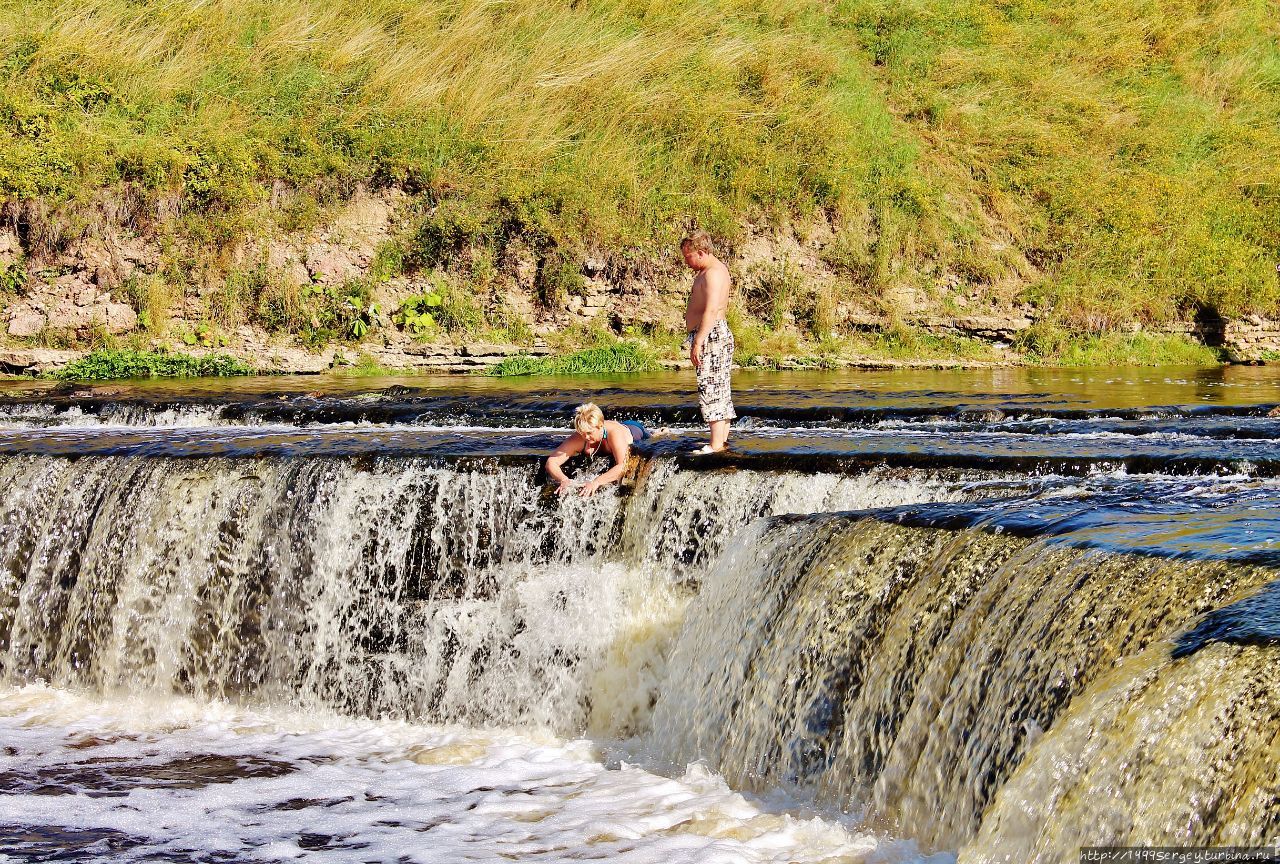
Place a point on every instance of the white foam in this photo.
(381, 791)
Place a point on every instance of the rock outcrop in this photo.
(97, 285)
(81, 290)
(1251, 339)
(35, 361)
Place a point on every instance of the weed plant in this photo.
(619, 357)
(118, 363)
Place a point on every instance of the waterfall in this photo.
(1154, 753)
(1006, 696)
(907, 672)
(387, 587)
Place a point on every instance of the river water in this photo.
(912, 616)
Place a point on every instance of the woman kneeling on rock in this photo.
(593, 434)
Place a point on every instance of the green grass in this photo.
(364, 366)
(608, 122)
(1058, 347)
(114, 364)
(911, 344)
(1124, 153)
(1107, 162)
(598, 360)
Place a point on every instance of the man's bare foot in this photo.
(707, 449)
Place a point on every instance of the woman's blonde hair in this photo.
(588, 417)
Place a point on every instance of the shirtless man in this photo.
(709, 342)
(593, 434)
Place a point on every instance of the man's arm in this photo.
(620, 452)
(717, 299)
(571, 447)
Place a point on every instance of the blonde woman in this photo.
(593, 435)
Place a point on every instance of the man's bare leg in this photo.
(719, 434)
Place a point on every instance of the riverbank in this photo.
(598, 352)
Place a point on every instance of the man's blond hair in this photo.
(588, 417)
(698, 241)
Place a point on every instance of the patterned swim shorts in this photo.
(714, 395)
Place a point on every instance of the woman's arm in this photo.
(620, 449)
(571, 447)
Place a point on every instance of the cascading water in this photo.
(396, 590)
(910, 671)
(1181, 753)
(986, 659)
(382, 587)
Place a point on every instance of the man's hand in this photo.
(695, 354)
(589, 489)
(565, 487)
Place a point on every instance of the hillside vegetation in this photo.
(1106, 162)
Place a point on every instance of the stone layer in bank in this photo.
(73, 294)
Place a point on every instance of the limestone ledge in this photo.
(35, 361)
(86, 290)
(410, 359)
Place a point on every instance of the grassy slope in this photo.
(1109, 161)
(1128, 149)
(608, 120)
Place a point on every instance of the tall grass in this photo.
(1125, 152)
(606, 359)
(1106, 161)
(609, 120)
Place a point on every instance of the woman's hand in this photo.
(590, 488)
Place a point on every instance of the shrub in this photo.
(113, 364)
(600, 360)
(153, 297)
(558, 279)
(417, 314)
(771, 292)
(13, 278)
(345, 312)
(206, 336)
(281, 306)
(442, 308)
(509, 326)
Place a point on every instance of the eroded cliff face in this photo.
(122, 272)
(66, 286)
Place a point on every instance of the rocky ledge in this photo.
(291, 360)
(99, 283)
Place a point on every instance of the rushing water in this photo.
(987, 615)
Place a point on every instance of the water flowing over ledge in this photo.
(911, 671)
(396, 588)
(1000, 664)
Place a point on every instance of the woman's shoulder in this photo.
(574, 443)
(618, 431)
